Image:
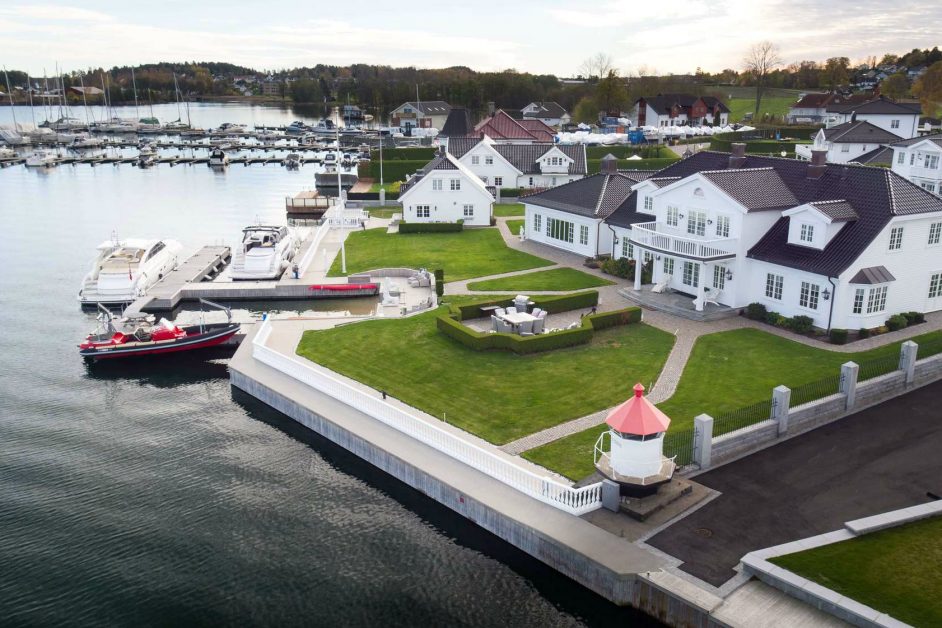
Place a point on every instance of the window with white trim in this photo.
(475, 160)
(935, 233)
(437, 185)
(719, 277)
(673, 216)
(691, 274)
(696, 223)
(583, 235)
(537, 223)
(422, 211)
(468, 211)
(627, 248)
(669, 266)
(935, 286)
(807, 233)
(498, 181)
(928, 187)
(722, 226)
(808, 296)
(773, 286)
(488, 160)
(455, 185)
(896, 238)
(912, 158)
(559, 229)
(876, 300)
(932, 161)
(845, 148)
(858, 300)
(894, 124)
(648, 203)
(902, 157)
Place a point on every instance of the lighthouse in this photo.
(635, 456)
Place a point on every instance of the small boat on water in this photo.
(293, 161)
(146, 160)
(265, 252)
(42, 158)
(218, 158)
(229, 128)
(7, 153)
(126, 269)
(139, 336)
(297, 128)
(86, 141)
(329, 176)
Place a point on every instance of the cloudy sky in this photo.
(530, 35)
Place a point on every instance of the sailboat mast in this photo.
(29, 94)
(10, 94)
(46, 96)
(137, 111)
(176, 95)
(84, 99)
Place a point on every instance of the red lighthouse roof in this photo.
(638, 416)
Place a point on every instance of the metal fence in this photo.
(877, 367)
(815, 390)
(679, 444)
(742, 417)
(928, 348)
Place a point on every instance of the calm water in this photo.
(135, 495)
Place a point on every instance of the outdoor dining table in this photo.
(515, 318)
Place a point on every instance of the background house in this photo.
(899, 118)
(813, 108)
(534, 165)
(501, 127)
(919, 160)
(666, 110)
(846, 142)
(427, 114)
(548, 112)
(445, 191)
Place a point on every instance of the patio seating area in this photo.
(657, 297)
(525, 319)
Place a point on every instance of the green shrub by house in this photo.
(431, 227)
(896, 322)
(756, 312)
(838, 336)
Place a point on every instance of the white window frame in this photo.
(845, 148)
(896, 238)
(498, 181)
(627, 248)
(902, 157)
(584, 235)
(691, 271)
(858, 301)
(537, 223)
(719, 277)
(935, 285)
(468, 211)
(935, 234)
(648, 203)
(696, 222)
(931, 161)
(669, 266)
(562, 230)
(475, 160)
(455, 185)
(807, 233)
(722, 226)
(774, 285)
(489, 160)
(673, 215)
(876, 299)
(423, 211)
(894, 124)
(809, 295)
(437, 185)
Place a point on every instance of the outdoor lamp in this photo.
(826, 294)
(729, 275)
(710, 221)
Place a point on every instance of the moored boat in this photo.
(265, 252)
(125, 269)
(42, 158)
(218, 158)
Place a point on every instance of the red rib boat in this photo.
(138, 336)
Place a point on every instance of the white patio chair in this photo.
(504, 327)
(494, 320)
(713, 297)
(538, 326)
(536, 312)
(525, 327)
(662, 285)
(500, 312)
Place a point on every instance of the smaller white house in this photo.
(846, 142)
(446, 191)
(534, 165)
(427, 114)
(899, 118)
(551, 113)
(919, 160)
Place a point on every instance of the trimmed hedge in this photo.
(621, 151)
(403, 154)
(553, 304)
(431, 227)
(758, 141)
(659, 163)
(396, 170)
(522, 345)
(511, 192)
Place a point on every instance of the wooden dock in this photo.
(167, 293)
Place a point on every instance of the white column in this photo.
(701, 286)
(637, 267)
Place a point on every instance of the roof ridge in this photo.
(837, 200)
(598, 203)
(737, 170)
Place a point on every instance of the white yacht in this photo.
(328, 177)
(265, 252)
(126, 269)
(218, 158)
(42, 158)
(86, 141)
(9, 153)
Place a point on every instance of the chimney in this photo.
(853, 116)
(738, 155)
(818, 163)
(490, 109)
(609, 164)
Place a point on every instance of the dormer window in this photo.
(807, 233)
(648, 203)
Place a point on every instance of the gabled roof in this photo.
(428, 107)
(546, 109)
(458, 123)
(935, 138)
(858, 132)
(838, 103)
(713, 102)
(756, 189)
(541, 131)
(501, 126)
(524, 157)
(880, 155)
(596, 196)
(442, 161)
(881, 105)
(663, 103)
(872, 275)
(837, 210)
(638, 175)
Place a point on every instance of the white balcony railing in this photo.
(646, 235)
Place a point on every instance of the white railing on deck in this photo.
(575, 501)
(318, 238)
(647, 235)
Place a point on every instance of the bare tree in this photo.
(597, 66)
(761, 59)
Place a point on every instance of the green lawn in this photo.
(386, 211)
(389, 187)
(497, 395)
(514, 226)
(726, 371)
(463, 255)
(502, 210)
(894, 571)
(554, 279)
(772, 105)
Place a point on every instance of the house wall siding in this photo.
(595, 246)
(446, 205)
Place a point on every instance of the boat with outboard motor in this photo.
(136, 336)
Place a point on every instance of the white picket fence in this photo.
(576, 501)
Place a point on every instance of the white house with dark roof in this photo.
(549, 112)
(426, 114)
(847, 142)
(847, 246)
(446, 191)
(534, 165)
(919, 160)
(899, 118)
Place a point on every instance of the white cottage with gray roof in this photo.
(446, 191)
(534, 165)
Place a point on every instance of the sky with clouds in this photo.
(543, 36)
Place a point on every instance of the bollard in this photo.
(781, 398)
(907, 360)
(849, 372)
(703, 443)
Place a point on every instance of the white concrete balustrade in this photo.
(647, 235)
(576, 501)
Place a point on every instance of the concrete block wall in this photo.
(734, 444)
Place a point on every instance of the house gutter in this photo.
(614, 236)
(833, 299)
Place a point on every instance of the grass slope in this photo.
(895, 571)
(463, 255)
(514, 226)
(497, 395)
(554, 279)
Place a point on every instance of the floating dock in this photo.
(167, 293)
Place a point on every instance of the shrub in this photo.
(431, 227)
(775, 319)
(439, 282)
(863, 333)
(621, 267)
(756, 312)
(510, 192)
(896, 322)
(591, 262)
(604, 320)
(913, 318)
(552, 303)
(393, 169)
(801, 324)
(838, 336)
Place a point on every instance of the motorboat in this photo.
(137, 336)
(68, 124)
(147, 148)
(228, 141)
(265, 252)
(218, 158)
(310, 140)
(176, 126)
(293, 161)
(325, 127)
(86, 141)
(270, 136)
(297, 128)
(118, 125)
(42, 158)
(229, 128)
(9, 153)
(13, 137)
(146, 160)
(126, 269)
(328, 177)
